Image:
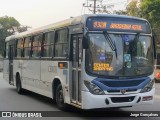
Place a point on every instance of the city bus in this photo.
(90, 61)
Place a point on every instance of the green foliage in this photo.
(150, 11)
(120, 12)
(133, 9)
(8, 26)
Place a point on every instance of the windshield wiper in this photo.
(110, 42)
(137, 36)
(134, 43)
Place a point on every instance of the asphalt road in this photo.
(11, 101)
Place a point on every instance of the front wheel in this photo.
(60, 99)
(18, 85)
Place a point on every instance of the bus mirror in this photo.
(85, 42)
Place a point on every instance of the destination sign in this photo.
(102, 67)
(126, 26)
(99, 24)
(117, 24)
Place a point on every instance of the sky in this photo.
(37, 13)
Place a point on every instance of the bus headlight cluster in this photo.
(148, 87)
(94, 89)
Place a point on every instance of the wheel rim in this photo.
(18, 84)
(60, 97)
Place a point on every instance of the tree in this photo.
(120, 12)
(105, 8)
(150, 11)
(22, 28)
(133, 9)
(9, 26)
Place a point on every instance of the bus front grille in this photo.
(118, 91)
(117, 83)
(122, 99)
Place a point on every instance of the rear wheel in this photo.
(19, 88)
(60, 99)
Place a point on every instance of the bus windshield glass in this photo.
(126, 55)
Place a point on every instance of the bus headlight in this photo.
(148, 87)
(94, 89)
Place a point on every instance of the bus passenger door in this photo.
(76, 68)
(11, 54)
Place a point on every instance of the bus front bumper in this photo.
(90, 101)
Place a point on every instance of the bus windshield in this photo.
(119, 54)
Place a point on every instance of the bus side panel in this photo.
(31, 75)
(17, 70)
(50, 71)
(6, 70)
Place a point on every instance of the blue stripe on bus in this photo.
(98, 82)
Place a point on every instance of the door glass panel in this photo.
(74, 84)
(11, 54)
(74, 53)
(79, 52)
(76, 68)
(79, 86)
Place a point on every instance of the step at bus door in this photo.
(76, 68)
(11, 54)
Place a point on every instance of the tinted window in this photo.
(27, 47)
(36, 46)
(61, 43)
(19, 49)
(48, 44)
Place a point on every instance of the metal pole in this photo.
(94, 11)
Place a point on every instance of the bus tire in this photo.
(60, 99)
(18, 85)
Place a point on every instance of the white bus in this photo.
(90, 61)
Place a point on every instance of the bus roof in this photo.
(64, 23)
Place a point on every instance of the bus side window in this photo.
(61, 43)
(47, 46)
(27, 47)
(19, 48)
(36, 46)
